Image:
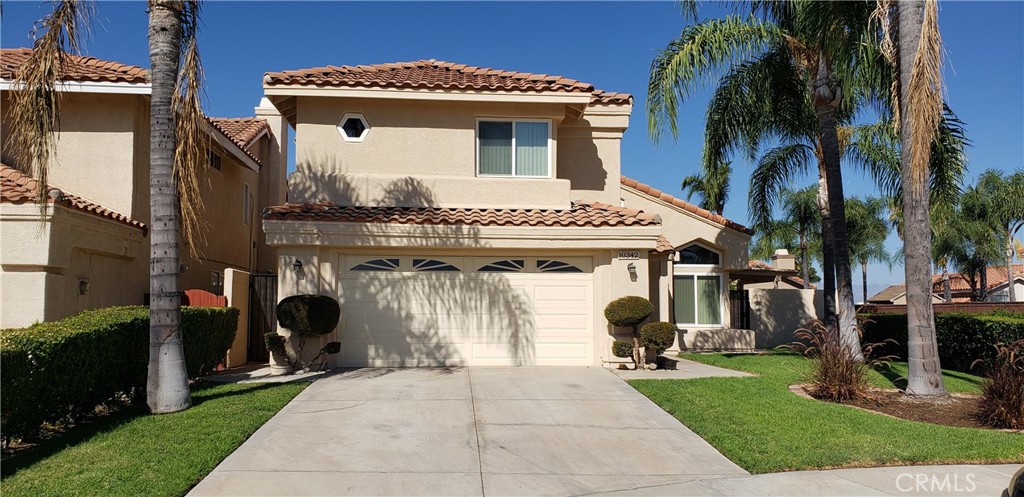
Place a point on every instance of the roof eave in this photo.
(109, 87)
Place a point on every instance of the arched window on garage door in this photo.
(377, 265)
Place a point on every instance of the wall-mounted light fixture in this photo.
(83, 287)
(631, 267)
(297, 266)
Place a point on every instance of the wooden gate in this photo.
(262, 314)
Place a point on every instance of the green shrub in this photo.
(962, 338)
(58, 370)
(658, 336)
(309, 314)
(835, 373)
(627, 312)
(622, 348)
(1002, 394)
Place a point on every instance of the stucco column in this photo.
(276, 161)
(236, 289)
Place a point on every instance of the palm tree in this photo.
(712, 185)
(971, 237)
(177, 153)
(797, 230)
(1007, 196)
(916, 58)
(869, 227)
(785, 60)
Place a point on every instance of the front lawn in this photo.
(759, 424)
(132, 453)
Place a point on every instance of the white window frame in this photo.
(693, 271)
(353, 139)
(551, 161)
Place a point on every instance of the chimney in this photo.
(783, 261)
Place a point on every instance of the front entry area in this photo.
(437, 310)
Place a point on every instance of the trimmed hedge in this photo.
(658, 336)
(55, 370)
(963, 338)
(629, 311)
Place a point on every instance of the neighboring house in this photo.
(960, 287)
(473, 216)
(89, 249)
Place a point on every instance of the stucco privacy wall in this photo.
(432, 144)
(44, 264)
(775, 314)
(319, 255)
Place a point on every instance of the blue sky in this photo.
(609, 44)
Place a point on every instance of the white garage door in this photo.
(438, 310)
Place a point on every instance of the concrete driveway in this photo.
(467, 431)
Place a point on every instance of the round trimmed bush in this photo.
(658, 336)
(622, 348)
(627, 312)
(309, 314)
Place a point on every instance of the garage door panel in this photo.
(406, 318)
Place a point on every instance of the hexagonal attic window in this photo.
(353, 127)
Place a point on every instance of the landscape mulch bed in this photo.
(956, 410)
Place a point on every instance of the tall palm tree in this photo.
(1007, 195)
(914, 47)
(971, 237)
(177, 152)
(869, 227)
(798, 229)
(792, 56)
(711, 185)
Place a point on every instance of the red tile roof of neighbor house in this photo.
(19, 188)
(582, 213)
(241, 131)
(436, 74)
(682, 204)
(996, 276)
(76, 68)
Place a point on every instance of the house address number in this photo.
(629, 254)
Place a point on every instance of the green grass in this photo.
(132, 453)
(759, 424)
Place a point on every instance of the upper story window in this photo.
(353, 127)
(213, 158)
(508, 147)
(698, 255)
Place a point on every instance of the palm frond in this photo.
(193, 141)
(776, 169)
(693, 59)
(35, 103)
(924, 94)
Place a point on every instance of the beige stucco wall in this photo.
(426, 150)
(41, 265)
(107, 174)
(236, 289)
(229, 239)
(776, 314)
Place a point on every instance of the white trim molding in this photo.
(91, 87)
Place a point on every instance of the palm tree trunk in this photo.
(826, 95)
(864, 279)
(1010, 294)
(983, 279)
(925, 374)
(805, 270)
(167, 384)
(828, 268)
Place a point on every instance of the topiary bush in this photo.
(963, 338)
(658, 336)
(305, 315)
(628, 312)
(309, 314)
(58, 370)
(622, 348)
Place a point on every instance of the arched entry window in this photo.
(697, 286)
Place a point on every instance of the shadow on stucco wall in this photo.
(776, 314)
(421, 318)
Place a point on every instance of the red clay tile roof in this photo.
(19, 188)
(588, 214)
(76, 68)
(959, 283)
(436, 74)
(241, 131)
(704, 213)
(664, 246)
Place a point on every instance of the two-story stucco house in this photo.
(472, 216)
(90, 249)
